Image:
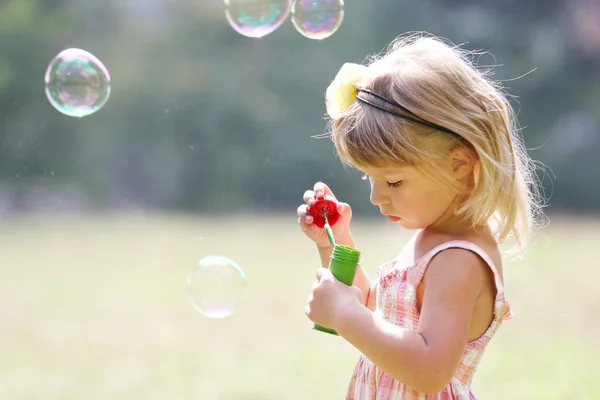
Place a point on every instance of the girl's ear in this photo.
(462, 162)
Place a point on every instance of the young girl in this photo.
(438, 142)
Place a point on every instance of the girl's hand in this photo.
(331, 300)
(341, 229)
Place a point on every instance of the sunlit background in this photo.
(199, 141)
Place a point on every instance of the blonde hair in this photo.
(438, 82)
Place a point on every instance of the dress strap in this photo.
(502, 306)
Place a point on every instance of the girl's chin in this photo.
(408, 225)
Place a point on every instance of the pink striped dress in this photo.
(397, 303)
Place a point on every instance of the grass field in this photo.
(96, 308)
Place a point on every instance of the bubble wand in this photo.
(344, 259)
(328, 229)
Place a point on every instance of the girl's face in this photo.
(408, 197)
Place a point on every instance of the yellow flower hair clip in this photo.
(342, 91)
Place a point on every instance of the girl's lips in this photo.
(393, 219)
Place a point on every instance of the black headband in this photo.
(398, 110)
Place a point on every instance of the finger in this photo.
(322, 189)
(304, 227)
(323, 274)
(309, 197)
(344, 209)
(303, 215)
(314, 285)
(357, 292)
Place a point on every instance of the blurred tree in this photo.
(203, 119)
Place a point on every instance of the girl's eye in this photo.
(365, 177)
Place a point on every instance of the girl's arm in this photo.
(425, 359)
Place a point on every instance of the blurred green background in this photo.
(205, 147)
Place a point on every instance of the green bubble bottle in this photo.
(343, 264)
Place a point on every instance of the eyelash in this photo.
(390, 184)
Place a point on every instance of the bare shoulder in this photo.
(491, 248)
(458, 269)
(485, 242)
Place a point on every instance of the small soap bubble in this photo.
(215, 286)
(77, 83)
(257, 18)
(317, 19)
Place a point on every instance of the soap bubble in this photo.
(215, 286)
(257, 18)
(317, 19)
(77, 83)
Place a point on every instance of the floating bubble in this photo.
(257, 18)
(77, 83)
(215, 286)
(317, 19)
